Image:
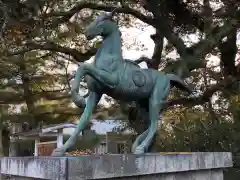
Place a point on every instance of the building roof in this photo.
(45, 129)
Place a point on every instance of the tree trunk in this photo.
(1, 143)
(1, 149)
(28, 96)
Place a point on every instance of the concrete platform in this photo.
(161, 166)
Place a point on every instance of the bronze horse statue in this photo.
(121, 79)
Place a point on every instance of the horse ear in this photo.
(112, 13)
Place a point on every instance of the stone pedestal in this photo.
(161, 166)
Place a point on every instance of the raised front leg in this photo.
(110, 79)
(92, 101)
(78, 100)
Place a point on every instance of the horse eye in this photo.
(98, 20)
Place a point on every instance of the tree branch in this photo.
(17, 98)
(56, 111)
(206, 45)
(197, 52)
(205, 96)
(228, 50)
(157, 54)
(166, 30)
(78, 56)
(184, 16)
(194, 55)
(83, 5)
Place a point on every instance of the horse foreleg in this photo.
(110, 79)
(76, 98)
(92, 101)
(104, 77)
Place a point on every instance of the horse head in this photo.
(103, 26)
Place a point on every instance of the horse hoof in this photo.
(139, 151)
(133, 149)
(58, 152)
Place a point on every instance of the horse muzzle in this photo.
(89, 37)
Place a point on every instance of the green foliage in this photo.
(197, 131)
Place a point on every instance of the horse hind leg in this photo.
(144, 114)
(156, 103)
(151, 130)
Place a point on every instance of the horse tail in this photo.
(178, 82)
(78, 100)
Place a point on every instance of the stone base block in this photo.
(161, 166)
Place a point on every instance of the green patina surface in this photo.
(121, 79)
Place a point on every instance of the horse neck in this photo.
(110, 45)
